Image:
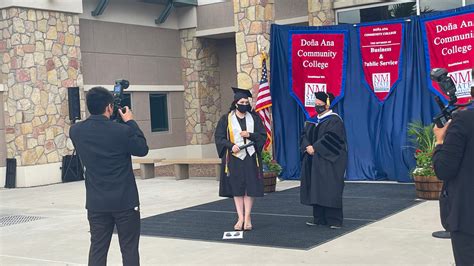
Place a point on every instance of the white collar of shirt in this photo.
(325, 114)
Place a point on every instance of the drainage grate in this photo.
(17, 219)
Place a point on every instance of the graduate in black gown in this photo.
(241, 170)
(324, 161)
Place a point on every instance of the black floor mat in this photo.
(279, 218)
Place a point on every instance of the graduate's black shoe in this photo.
(335, 227)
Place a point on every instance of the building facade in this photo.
(181, 58)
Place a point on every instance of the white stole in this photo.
(234, 133)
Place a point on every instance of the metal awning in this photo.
(102, 5)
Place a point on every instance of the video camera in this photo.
(119, 87)
(440, 75)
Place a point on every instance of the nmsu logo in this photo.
(463, 81)
(381, 82)
(309, 90)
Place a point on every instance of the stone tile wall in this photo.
(320, 12)
(253, 19)
(202, 99)
(40, 58)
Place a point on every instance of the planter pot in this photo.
(428, 187)
(269, 181)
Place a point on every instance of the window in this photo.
(126, 100)
(427, 6)
(395, 9)
(376, 13)
(159, 112)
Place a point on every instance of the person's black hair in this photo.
(97, 99)
(232, 105)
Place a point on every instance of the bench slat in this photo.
(147, 160)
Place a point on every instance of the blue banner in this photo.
(378, 144)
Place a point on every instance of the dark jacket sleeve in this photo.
(333, 142)
(304, 142)
(136, 140)
(259, 136)
(448, 156)
(220, 137)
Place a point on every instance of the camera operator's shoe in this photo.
(310, 223)
(313, 223)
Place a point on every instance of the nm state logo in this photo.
(309, 90)
(381, 82)
(463, 81)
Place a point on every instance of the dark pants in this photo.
(463, 248)
(327, 215)
(101, 228)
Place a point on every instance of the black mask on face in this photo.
(243, 108)
(320, 108)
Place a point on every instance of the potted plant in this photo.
(428, 186)
(271, 170)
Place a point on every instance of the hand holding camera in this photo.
(126, 114)
(440, 132)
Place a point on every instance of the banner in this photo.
(317, 63)
(380, 48)
(449, 42)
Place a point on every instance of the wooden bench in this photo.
(147, 166)
(181, 166)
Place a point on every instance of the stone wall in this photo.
(202, 100)
(40, 58)
(253, 19)
(320, 12)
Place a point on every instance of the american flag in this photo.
(264, 102)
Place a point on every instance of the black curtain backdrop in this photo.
(379, 148)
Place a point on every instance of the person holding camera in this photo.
(241, 168)
(105, 148)
(453, 162)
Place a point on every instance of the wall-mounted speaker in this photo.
(74, 103)
(10, 179)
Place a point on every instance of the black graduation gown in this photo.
(322, 175)
(244, 176)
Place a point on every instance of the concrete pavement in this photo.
(62, 238)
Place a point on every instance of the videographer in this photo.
(453, 161)
(105, 148)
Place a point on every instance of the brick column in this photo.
(253, 19)
(202, 99)
(41, 58)
(320, 12)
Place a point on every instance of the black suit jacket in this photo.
(105, 148)
(453, 163)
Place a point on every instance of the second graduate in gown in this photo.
(241, 170)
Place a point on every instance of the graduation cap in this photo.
(241, 93)
(322, 96)
(325, 97)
